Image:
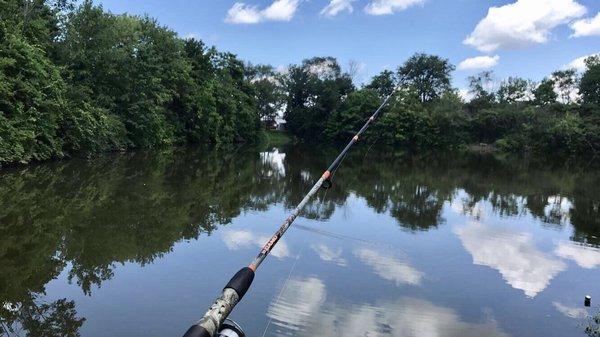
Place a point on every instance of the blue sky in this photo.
(529, 38)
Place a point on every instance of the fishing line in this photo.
(345, 237)
(283, 288)
(372, 145)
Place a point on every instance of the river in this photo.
(139, 244)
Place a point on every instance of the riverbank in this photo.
(275, 138)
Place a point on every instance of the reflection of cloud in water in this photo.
(243, 239)
(275, 160)
(571, 312)
(389, 267)
(558, 209)
(585, 256)
(562, 203)
(298, 304)
(11, 307)
(302, 310)
(513, 254)
(329, 255)
(461, 206)
(305, 175)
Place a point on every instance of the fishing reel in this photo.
(230, 328)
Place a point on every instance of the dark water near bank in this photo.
(140, 244)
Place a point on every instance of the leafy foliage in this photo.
(590, 82)
(544, 93)
(428, 75)
(84, 80)
(315, 90)
(593, 327)
(515, 116)
(31, 101)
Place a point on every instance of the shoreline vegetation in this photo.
(78, 80)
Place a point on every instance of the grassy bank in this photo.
(277, 138)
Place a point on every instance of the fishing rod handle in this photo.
(233, 292)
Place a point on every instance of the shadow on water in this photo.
(88, 216)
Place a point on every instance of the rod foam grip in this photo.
(197, 331)
(241, 281)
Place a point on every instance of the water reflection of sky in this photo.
(389, 252)
(303, 310)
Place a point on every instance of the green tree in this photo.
(514, 89)
(428, 75)
(352, 113)
(234, 101)
(406, 123)
(449, 121)
(36, 21)
(268, 91)
(31, 101)
(315, 89)
(480, 86)
(566, 83)
(384, 83)
(589, 86)
(544, 93)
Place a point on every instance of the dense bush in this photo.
(85, 80)
(31, 101)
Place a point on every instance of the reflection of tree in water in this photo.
(40, 319)
(302, 171)
(117, 209)
(585, 214)
(134, 207)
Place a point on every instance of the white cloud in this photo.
(242, 13)
(405, 317)
(337, 6)
(383, 7)
(527, 269)
(522, 23)
(467, 96)
(584, 256)
(279, 10)
(298, 303)
(586, 27)
(329, 255)
(579, 63)
(212, 38)
(302, 310)
(571, 312)
(282, 69)
(237, 239)
(390, 268)
(479, 62)
(273, 162)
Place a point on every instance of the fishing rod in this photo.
(214, 322)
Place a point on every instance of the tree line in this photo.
(559, 114)
(79, 79)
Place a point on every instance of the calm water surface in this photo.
(140, 244)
